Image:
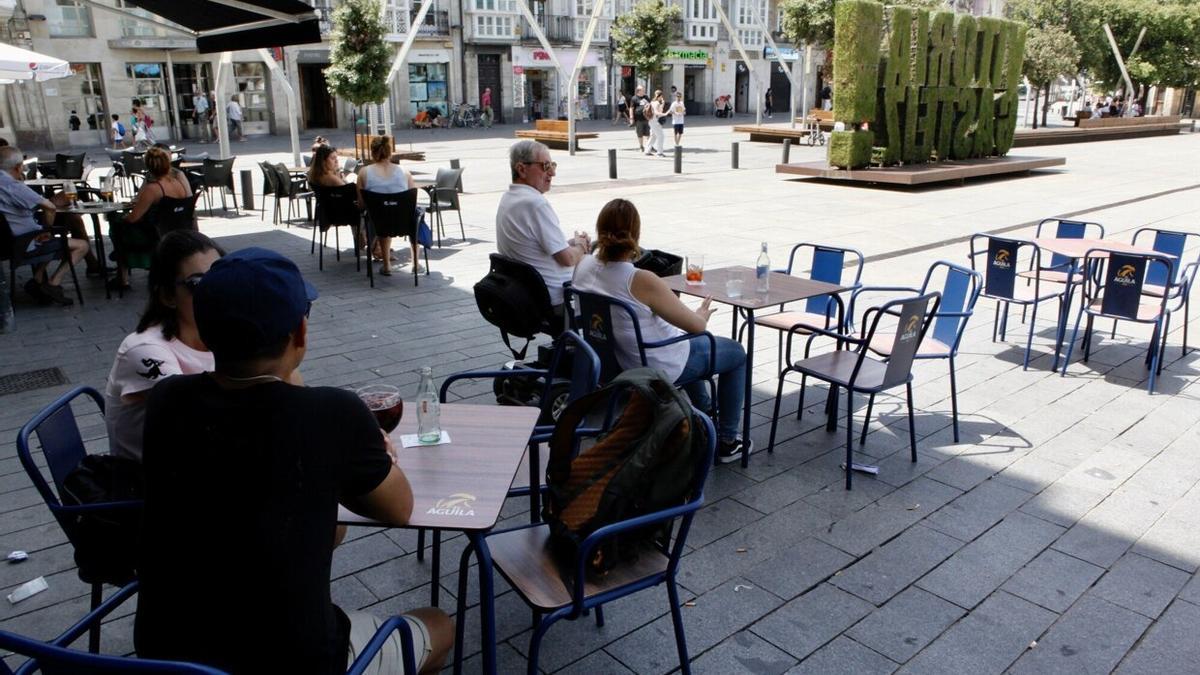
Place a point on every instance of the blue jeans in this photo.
(731, 385)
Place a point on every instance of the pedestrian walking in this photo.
(678, 112)
(637, 117)
(622, 110)
(768, 103)
(656, 117)
(118, 132)
(485, 102)
(233, 112)
(200, 107)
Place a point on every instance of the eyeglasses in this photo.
(191, 282)
(546, 166)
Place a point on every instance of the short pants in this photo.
(390, 658)
(679, 128)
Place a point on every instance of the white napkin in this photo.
(411, 440)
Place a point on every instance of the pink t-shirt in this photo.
(486, 100)
(143, 360)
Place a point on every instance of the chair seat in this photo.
(1025, 295)
(1147, 311)
(1052, 276)
(1156, 290)
(838, 366)
(522, 557)
(785, 320)
(930, 347)
(437, 205)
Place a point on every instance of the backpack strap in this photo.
(517, 354)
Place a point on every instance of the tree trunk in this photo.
(1036, 96)
(1046, 105)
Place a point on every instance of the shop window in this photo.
(748, 12)
(493, 26)
(68, 18)
(427, 87)
(495, 5)
(84, 108)
(150, 87)
(251, 80)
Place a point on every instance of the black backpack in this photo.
(106, 542)
(644, 462)
(513, 297)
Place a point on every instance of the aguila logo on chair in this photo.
(1002, 259)
(1125, 276)
(910, 328)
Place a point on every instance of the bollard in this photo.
(735, 154)
(247, 190)
(612, 163)
(455, 165)
(678, 159)
(787, 149)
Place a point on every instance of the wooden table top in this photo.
(461, 485)
(99, 207)
(1078, 248)
(47, 182)
(784, 287)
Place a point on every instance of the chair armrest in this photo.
(395, 623)
(129, 504)
(712, 344)
(488, 375)
(864, 289)
(91, 618)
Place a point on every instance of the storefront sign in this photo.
(312, 56)
(536, 57)
(429, 56)
(785, 53)
(687, 55)
(518, 70)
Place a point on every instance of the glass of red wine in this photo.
(384, 401)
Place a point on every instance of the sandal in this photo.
(385, 270)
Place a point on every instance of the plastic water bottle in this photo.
(429, 410)
(762, 271)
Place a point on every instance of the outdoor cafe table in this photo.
(95, 210)
(1076, 250)
(784, 288)
(461, 486)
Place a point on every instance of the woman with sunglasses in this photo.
(166, 342)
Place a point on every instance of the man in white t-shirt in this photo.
(200, 105)
(233, 111)
(527, 228)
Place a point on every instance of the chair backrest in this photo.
(914, 317)
(54, 660)
(337, 205)
(392, 213)
(960, 291)
(349, 165)
(218, 172)
(1000, 263)
(828, 264)
(48, 168)
(595, 321)
(1119, 284)
(532, 284)
(198, 157)
(30, 169)
(269, 181)
(283, 179)
(307, 160)
(135, 162)
(1069, 229)
(176, 213)
(1168, 242)
(69, 166)
(446, 186)
(585, 368)
(61, 444)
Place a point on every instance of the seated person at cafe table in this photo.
(661, 316)
(165, 192)
(383, 176)
(166, 341)
(324, 171)
(17, 203)
(244, 472)
(527, 228)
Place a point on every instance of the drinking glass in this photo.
(694, 264)
(733, 288)
(384, 401)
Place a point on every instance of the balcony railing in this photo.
(437, 22)
(556, 29)
(396, 20)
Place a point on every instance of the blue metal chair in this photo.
(999, 283)
(960, 291)
(1118, 293)
(556, 394)
(56, 657)
(62, 447)
(855, 370)
(1172, 244)
(1060, 265)
(521, 556)
(828, 264)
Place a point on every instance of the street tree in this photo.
(1050, 52)
(359, 59)
(643, 36)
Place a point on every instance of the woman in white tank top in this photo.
(383, 176)
(661, 315)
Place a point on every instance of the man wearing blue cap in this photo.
(244, 473)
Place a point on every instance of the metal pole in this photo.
(787, 149)
(612, 163)
(248, 190)
(293, 104)
(405, 48)
(224, 70)
(573, 86)
(1120, 62)
(734, 154)
(171, 95)
(678, 159)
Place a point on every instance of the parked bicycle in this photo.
(466, 115)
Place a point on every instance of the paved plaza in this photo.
(1062, 534)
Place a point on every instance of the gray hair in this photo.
(10, 156)
(523, 152)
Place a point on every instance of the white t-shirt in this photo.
(677, 112)
(116, 131)
(527, 230)
(234, 111)
(143, 360)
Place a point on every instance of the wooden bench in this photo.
(362, 148)
(553, 133)
(770, 134)
(824, 118)
(1106, 122)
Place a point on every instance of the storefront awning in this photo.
(230, 25)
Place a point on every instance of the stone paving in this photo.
(1060, 535)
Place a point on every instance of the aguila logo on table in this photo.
(457, 504)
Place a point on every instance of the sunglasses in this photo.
(546, 166)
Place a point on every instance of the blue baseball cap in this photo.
(250, 301)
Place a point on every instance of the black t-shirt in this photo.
(639, 114)
(242, 487)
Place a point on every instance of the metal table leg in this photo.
(1064, 315)
(100, 255)
(749, 387)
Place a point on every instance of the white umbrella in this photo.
(22, 64)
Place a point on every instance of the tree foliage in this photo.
(359, 57)
(811, 21)
(1050, 52)
(643, 36)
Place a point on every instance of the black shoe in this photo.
(34, 289)
(56, 295)
(731, 451)
(114, 284)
